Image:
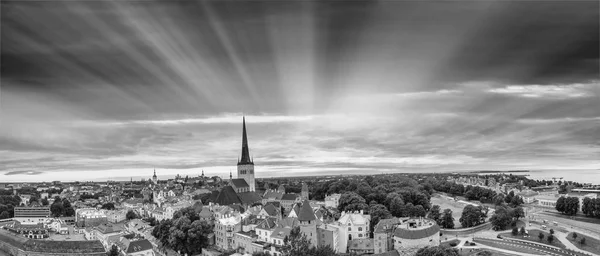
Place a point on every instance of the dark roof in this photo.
(274, 203)
(386, 224)
(273, 194)
(271, 210)
(227, 196)
(306, 212)
(268, 223)
(249, 197)
(245, 150)
(290, 196)
(238, 208)
(138, 246)
(239, 183)
(416, 233)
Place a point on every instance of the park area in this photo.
(591, 244)
(533, 237)
(447, 203)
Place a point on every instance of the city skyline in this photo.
(94, 90)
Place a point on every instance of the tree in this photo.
(518, 212)
(131, 215)
(108, 206)
(114, 251)
(351, 201)
(582, 241)
(551, 231)
(515, 231)
(574, 235)
(397, 207)
(472, 216)
(4, 215)
(57, 209)
(550, 238)
(378, 212)
(571, 205)
(516, 201)
(501, 218)
(560, 204)
(434, 214)
(541, 236)
(437, 251)
(44, 201)
(522, 231)
(447, 219)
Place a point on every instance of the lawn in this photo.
(591, 244)
(581, 218)
(507, 246)
(456, 241)
(533, 237)
(444, 203)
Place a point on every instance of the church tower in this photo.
(154, 178)
(245, 166)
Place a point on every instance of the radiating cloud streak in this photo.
(98, 89)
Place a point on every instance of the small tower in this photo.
(154, 178)
(308, 223)
(281, 189)
(304, 192)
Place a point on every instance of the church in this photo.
(241, 190)
(245, 167)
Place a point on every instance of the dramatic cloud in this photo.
(114, 89)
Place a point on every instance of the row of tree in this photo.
(7, 205)
(567, 205)
(591, 207)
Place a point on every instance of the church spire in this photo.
(245, 151)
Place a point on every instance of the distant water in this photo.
(581, 176)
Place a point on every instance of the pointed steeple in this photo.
(230, 176)
(245, 151)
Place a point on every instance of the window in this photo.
(359, 235)
(349, 229)
(359, 228)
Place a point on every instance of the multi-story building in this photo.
(26, 214)
(226, 227)
(383, 235)
(357, 224)
(89, 217)
(332, 201)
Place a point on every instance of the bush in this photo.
(453, 244)
(574, 235)
(515, 231)
(582, 240)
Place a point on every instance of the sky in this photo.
(94, 90)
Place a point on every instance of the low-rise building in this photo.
(32, 214)
(332, 201)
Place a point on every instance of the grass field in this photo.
(447, 243)
(508, 246)
(591, 244)
(579, 217)
(449, 204)
(533, 237)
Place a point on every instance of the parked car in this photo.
(499, 236)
